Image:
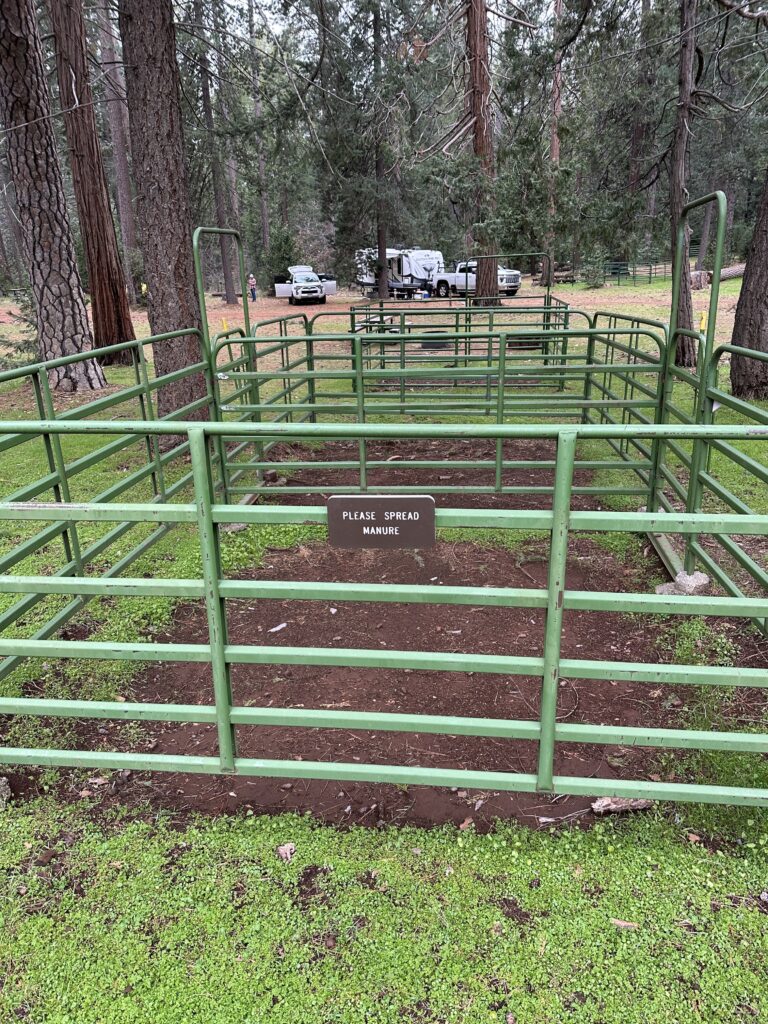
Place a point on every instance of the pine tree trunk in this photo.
(162, 196)
(749, 377)
(110, 312)
(49, 252)
(261, 170)
(381, 205)
(548, 275)
(117, 119)
(217, 176)
(479, 96)
(224, 113)
(685, 351)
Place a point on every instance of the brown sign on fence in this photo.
(381, 521)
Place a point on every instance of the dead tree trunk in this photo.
(685, 351)
(480, 110)
(110, 312)
(382, 276)
(749, 377)
(49, 252)
(261, 172)
(162, 195)
(117, 119)
(217, 174)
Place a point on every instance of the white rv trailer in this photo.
(408, 270)
(414, 270)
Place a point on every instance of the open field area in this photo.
(651, 301)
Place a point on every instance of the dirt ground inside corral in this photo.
(473, 630)
(443, 628)
(500, 631)
(398, 452)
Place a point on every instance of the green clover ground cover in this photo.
(136, 921)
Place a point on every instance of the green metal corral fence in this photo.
(562, 522)
(602, 391)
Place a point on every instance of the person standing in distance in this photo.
(252, 287)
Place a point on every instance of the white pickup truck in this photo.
(304, 285)
(463, 280)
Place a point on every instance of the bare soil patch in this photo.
(442, 628)
(398, 452)
(481, 630)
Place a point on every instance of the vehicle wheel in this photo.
(291, 300)
(322, 301)
(443, 291)
(512, 291)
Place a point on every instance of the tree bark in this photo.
(749, 377)
(224, 113)
(49, 252)
(382, 277)
(479, 102)
(261, 171)
(117, 119)
(685, 351)
(110, 312)
(217, 175)
(162, 195)
(548, 275)
(11, 214)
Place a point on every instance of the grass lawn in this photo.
(141, 921)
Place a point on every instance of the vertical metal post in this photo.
(564, 350)
(500, 408)
(148, 412)
(56, 462)
(402, 376)
(254, 394)
(558, 556)
(198, 264)
(663, 394)
(214, 603)
(703, 410)
(699, 459)
(489, 370)
(585, 413)
(360, 384)
(311, 390)
(215, 414)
